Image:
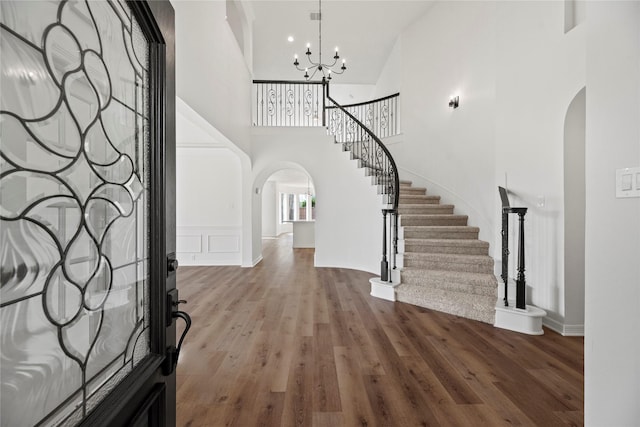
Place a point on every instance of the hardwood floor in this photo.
(287, 344)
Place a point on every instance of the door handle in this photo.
(172, 352)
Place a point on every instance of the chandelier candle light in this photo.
(325, 69)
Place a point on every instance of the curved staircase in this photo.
(445, 266)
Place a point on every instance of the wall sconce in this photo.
(454, 101)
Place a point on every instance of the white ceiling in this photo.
(364, 30)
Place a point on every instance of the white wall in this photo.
(212, 76)
(516, 72)
(194, 132)
(269, 209)
(348, 230)
(346, 94)
(208, 206)
(612, 336)
(539, 71)
(390, 80)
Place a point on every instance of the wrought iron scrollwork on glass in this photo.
(74, 194)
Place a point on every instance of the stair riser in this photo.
(452, 307)
(426, 200)
(428, 264)
(412, 191)
(460, 250)
(434, 234)
(467, 288)
(404, 221)
(426, 210)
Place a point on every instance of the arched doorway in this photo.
(287, 195)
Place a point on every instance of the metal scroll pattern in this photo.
(287, 104)
(380, 116)
(355, 138)
(74, 227)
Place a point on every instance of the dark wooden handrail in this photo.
(289, 82)
(373, 101)
(396, 178)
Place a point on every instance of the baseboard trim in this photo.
(562, 329)
(553, 324)
(573, 330)
(256, 261)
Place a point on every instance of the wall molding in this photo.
(573, 330)
(204, 245)
(562, 329)
(553, 324)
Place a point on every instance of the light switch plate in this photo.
(628, 182)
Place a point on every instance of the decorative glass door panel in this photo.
(74, 206)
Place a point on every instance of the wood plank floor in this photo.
(286, 344)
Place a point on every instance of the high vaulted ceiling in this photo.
(365, 31)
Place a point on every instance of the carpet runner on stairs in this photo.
(445, 266)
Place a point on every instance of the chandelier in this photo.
(325, 69)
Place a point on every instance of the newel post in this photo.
(520, 280)
(384, 264)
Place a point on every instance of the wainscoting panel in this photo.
(188, 243)
(221, 244)
(209, 245)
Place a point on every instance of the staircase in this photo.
(445, 267)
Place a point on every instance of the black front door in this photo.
(87, 212)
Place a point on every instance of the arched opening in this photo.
(282, 194)
(574, 214)
(288, 195)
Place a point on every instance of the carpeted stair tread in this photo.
(440, 232)
(449, 262)
(470, 306)
(404, 182)
(448, 246)
(424, 209)
(446, 219)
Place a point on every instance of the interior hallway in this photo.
(285, 343)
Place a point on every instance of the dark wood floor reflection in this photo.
(287, 344)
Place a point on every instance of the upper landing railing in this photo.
(288, 103)
(302, 103)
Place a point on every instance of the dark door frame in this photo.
(147, 396)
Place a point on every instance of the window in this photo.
(297, 207)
